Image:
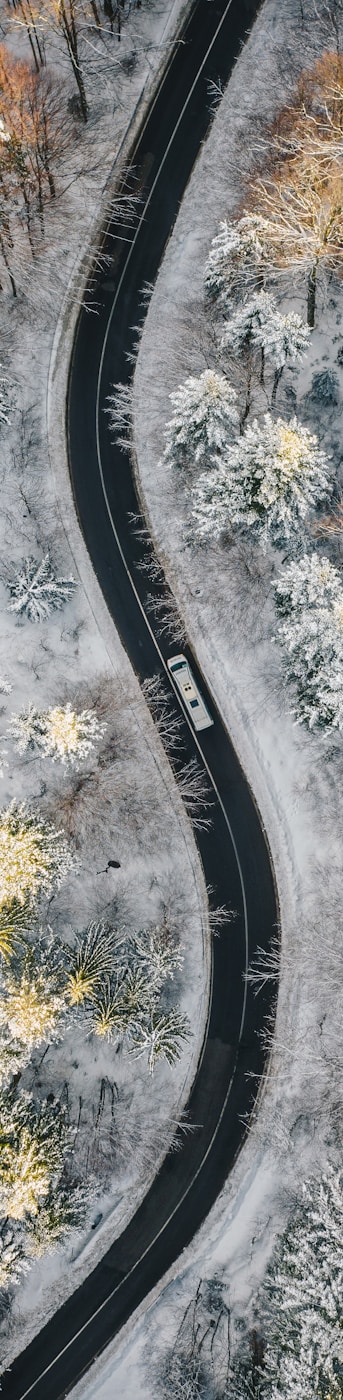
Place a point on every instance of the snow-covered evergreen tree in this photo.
(15, 921)
(268, 483)
(59, 733)
(109, 1017)
(309, 600)
(62, 1210)
(34, 855)
(36, 591)
(304, 1300)
(92, 960)
(33, 993)
(34, 1141)
(257, 324)
(238, 259)
(161, 1035)
(13, 1056)
(12, 1259)
(156, 952)
(205, 418)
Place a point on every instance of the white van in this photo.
(192, 699)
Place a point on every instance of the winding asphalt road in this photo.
(234, 852)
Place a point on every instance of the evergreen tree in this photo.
(161, 1036)
(62, 1210)
(303, 1300)
(12, 1259)
(15, 922)
(258, 325)
(59, 733)
(36, 591)
(13, 1055)
(33, 993)
(34, 856)
(34, 1140)
(309, 600)
(92, 960)
(268, 483)
(238, 258)
(205, 417)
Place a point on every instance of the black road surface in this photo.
(233, 851)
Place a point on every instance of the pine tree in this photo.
(62, 1210)
(309, 600)
(109, 1017)
(258, 325)
(34, 856)
(239, 259)
(205, 417)
(161, 1036)
(93, 959)
(36, 591)
(268, 483)
(303, 1300)
(33, 993)
(15, 922)
(155, 951)
(13, 1056)
(34, 1140)
(59, 733)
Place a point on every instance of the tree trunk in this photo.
(277, 377)
(80, 83)
(247, 402)
(262, 366)
(311, 295)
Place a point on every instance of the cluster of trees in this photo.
(294, 1348)
(267, 477)
(36, 128)
(115, 982)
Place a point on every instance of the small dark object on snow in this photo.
(325, 387)
(113, 865)
(97, 1220)
(340, 355)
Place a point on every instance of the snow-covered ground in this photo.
(128, 809)
(225, 597)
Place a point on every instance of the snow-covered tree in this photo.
(34, 1141)
(59, 733)
(92, 960)
(15, 921)
(12, 1259)
(205, 418)
(34, 855)
(303, 1300)
(13, 1056)
(161, 1035)
(36, 591)
(62, 1210)
(155, 951)
(309, 600)
(268, 482)
(257, 324)
(239, 258)
(33, 993)
(109, 1015)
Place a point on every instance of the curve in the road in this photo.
(234, 851)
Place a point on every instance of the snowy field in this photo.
(225, 596)
(122, 804)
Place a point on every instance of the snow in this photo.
(127, 807)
